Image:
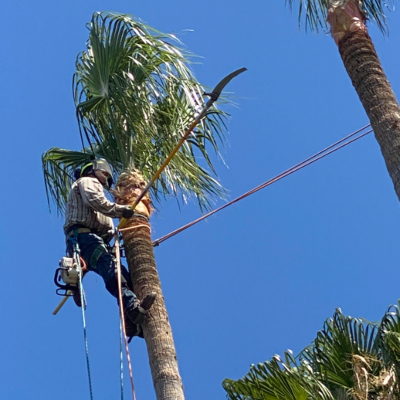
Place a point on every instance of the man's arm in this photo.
(92, 194)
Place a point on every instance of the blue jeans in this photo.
(94, 252)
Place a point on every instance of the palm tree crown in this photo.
(349, 359)
(315, 12)
(134, 96)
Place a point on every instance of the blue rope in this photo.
(76, 254)
(83, 304)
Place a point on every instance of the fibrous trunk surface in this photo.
(145, 279)
(366, 73)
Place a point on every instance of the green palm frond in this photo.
(58, 168)
(341, 339)
(134, 92)
(350, 358)
(278, 380)
(313, 13)
(390, 339)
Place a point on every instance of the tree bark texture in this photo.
(157, 330)
(366, 73)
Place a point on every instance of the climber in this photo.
(88, 223)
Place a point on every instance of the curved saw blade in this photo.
(218, 89)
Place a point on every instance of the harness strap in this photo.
(98, 251)
(136, 214)
(76, 231)
(73, 230)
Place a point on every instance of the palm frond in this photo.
(58, 168)
(313, 13)
(135, 94)
(338, 345)
(389, 335)
(351, 358)
(278, 380)
(374, 10)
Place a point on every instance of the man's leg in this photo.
(125, 273)
(97, 258)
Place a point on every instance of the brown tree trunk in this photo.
(367, 75)
(157, 330)
(373, 88)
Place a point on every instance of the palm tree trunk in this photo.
(157, 330)
(367, 75)
(373, 88)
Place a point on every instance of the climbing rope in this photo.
(121, 360)
(317, 156)
(121, 309)
(134, 227)
(77, 259)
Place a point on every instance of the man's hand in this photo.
(127, 212)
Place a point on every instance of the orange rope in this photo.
(121, 309)
(133, 227)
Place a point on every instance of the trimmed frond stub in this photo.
(129, 186)
(344, 19)
(135, 94)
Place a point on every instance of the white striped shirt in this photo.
(88, 206)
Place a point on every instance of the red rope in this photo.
(121, 310)
(317, 156)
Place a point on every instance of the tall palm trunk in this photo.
(365, 70)
(157, 330)
(145, 279)
(366, 73)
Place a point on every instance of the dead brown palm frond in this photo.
(386, 384)
(361, 376)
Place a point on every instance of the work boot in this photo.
(137, 311)
(76, 295)
(132, 330)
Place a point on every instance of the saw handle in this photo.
(62, 302)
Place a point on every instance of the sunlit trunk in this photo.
(366, 73)
(142, 267)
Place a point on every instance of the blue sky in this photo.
(249, 282)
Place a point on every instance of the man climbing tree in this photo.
(135, 96)
(88, 224)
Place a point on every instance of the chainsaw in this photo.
(66, 276)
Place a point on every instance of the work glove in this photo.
(127, 212)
